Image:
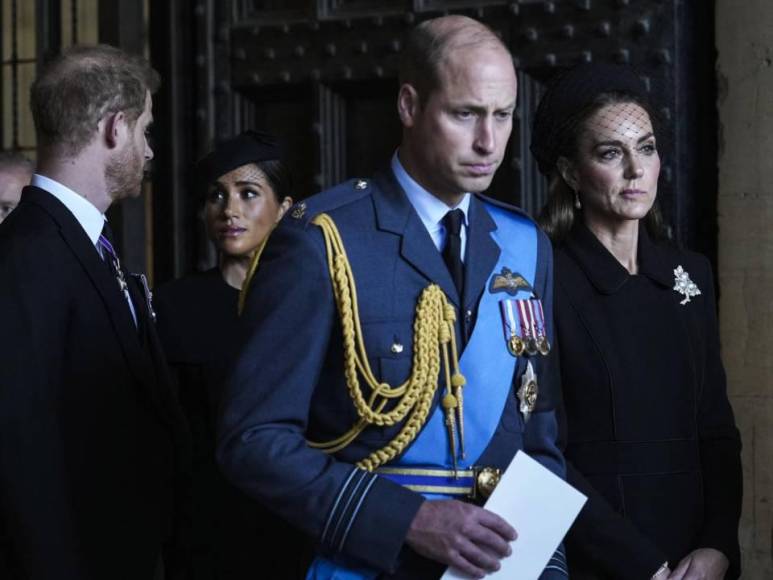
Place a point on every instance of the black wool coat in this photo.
(92, 441)
(651, 437)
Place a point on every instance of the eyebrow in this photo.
(649, 135)
(480, 108)
(239, 183)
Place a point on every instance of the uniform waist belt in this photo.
(475, 482)
(635, 458)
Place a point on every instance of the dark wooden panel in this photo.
(288, 111)
(333, 64)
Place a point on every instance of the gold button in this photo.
(396, 348)
(360, 184)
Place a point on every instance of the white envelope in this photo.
(541, 507)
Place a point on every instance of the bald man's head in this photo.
(433, 42)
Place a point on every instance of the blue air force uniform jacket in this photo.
(288, 384)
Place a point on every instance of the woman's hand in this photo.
(701, 564)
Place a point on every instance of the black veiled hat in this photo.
(568, 94)
(247, 147)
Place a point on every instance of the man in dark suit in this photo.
(394, 382)
(90, 432)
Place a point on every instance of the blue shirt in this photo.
(431, 210)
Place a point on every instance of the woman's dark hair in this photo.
(279, 178)
(571, 99)
(247, 148)
(559, 213)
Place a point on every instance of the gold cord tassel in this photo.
(411, 401)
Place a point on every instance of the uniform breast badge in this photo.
(528, 392)
(508, 281)
(146, 293)
(684, 286)
(299, 210)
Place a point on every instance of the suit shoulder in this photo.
(344, 194)
(30, 231)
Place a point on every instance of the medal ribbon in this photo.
(526, 318)
(509, 320)
(538, 316)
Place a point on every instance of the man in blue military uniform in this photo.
(395, 334)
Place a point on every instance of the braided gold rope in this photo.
(433, 337)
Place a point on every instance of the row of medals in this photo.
(530, 345)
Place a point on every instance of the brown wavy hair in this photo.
(75, 90)
(559, 214)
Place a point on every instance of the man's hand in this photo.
(461, 535)
(701, 564)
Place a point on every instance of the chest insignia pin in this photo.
(508, 281)
(299, 210)
(528, 392)
(684, 286)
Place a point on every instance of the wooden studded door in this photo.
(322, 74)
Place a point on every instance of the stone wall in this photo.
(744, 37)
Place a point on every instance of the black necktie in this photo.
(452, 253)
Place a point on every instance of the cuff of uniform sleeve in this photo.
(374, 528)
(556, 567)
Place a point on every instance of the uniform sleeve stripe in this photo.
(559, 568)
(341, 513)
(559, 557)
(356, 511)
(337, 501)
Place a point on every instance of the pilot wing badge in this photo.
(508, 281)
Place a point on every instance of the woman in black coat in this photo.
(650, 434)
(244, 189)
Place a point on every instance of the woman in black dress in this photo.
(245, 190)
(651, 437)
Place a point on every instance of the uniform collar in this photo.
(431, 210)
(87, 215)
(603, 269)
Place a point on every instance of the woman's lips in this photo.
(633, 192)
(232, 232)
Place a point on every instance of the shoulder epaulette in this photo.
(325, 201)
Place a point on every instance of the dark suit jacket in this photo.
(651, 435)
(289, 382)
(90, 431)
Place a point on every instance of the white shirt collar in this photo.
(430, 209)
(89, 217)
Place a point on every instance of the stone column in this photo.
(744, 36)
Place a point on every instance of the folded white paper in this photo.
(541, 507)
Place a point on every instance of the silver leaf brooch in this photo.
(684, 286)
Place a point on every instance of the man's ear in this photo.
(113, 127)
(408, 105)
(567, 171)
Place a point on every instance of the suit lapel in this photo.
(107, 287)
(394, 213)
(482, 252)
